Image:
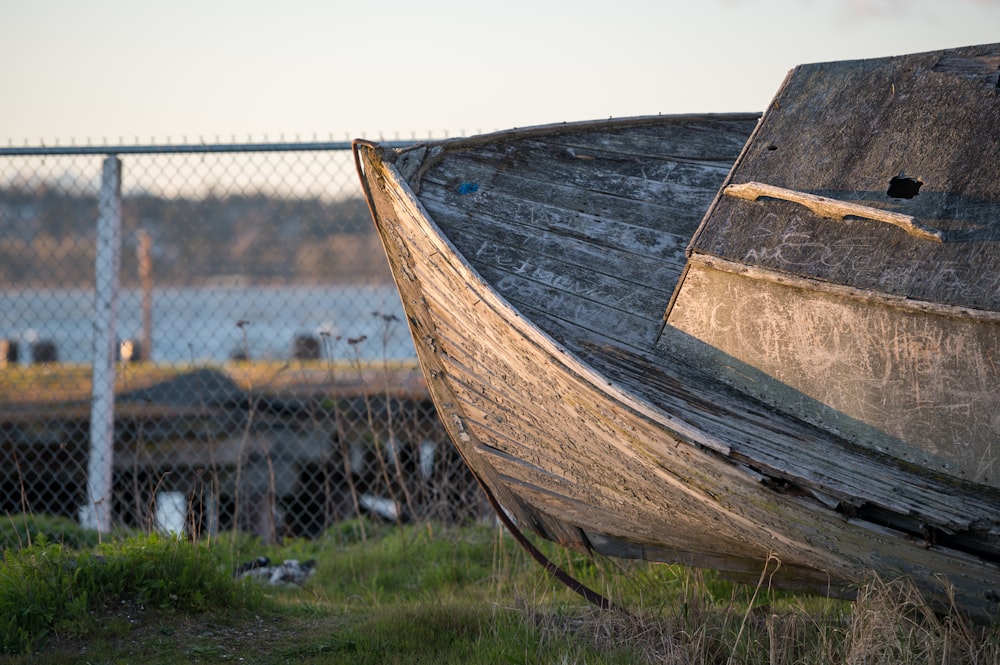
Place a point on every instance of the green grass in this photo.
(427, 594)
(49, 588)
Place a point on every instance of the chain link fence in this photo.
(263, 376)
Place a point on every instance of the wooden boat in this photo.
(810, 390)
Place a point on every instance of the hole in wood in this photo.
(903, 187)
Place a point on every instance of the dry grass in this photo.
(61, 383)
(890, 623)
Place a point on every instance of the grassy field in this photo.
(426, 594)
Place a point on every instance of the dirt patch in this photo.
(151, 637)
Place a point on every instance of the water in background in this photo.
(200, 324)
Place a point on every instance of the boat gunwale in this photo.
(568, 127)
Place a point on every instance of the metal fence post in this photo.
(96, 512)
(144, 257)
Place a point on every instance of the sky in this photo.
(128, 71)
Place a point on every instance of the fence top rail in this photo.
(166, 149)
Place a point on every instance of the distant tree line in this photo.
(47, 239)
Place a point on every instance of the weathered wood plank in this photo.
(883, 377)
(832, 208)
(502, 241)
(676, 137)
(707, 139)
(678, 196)
(578, 231)
(919, 118)
(636, 177)
(782, 448)
(560, 275)
(630, 321)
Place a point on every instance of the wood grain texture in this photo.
(888, 339)
(832, 208)
(843, 131)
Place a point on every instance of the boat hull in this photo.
(599, 441)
